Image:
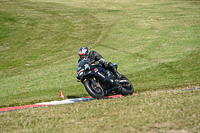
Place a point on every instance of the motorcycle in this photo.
(100, 82)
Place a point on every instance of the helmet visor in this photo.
(82, 56)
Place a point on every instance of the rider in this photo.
(96, 59)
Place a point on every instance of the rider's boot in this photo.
(109, 66)
(116, 73)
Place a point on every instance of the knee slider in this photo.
(110, 64)
(106, 64)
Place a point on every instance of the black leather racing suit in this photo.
(96, 58)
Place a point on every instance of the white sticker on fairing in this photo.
(122, 81)
(101, 75)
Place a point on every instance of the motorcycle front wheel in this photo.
(94, 91)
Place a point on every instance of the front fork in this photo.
(94, 82)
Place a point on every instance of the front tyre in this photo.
(94, 91)
(126, 89)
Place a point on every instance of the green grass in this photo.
(164, 111)
(155, 43)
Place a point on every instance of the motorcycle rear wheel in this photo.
(96, 93)
(127, 90)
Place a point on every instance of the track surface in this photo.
(67, 101)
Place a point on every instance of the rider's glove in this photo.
(86, 67)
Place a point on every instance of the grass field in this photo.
(156, 44)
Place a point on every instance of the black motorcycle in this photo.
(100, 82)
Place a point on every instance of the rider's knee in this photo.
(108, 64)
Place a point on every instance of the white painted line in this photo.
(67, 101)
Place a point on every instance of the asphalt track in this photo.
(67, 101)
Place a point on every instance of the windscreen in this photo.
(82, 63)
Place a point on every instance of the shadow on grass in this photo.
(77, 96)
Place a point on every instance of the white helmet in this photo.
(83, 52)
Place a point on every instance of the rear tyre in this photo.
(94, 91)
(126, 89)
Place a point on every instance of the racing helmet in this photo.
(83, 52)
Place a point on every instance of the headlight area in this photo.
(80, 73)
